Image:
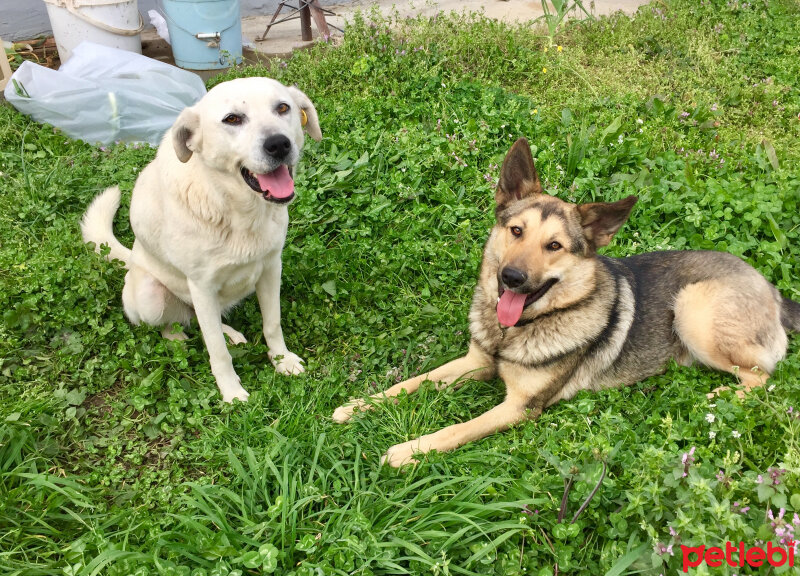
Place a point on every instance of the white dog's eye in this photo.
(283, 108)
(233, 119)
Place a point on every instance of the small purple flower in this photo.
(771, 516)
(714, 107)
(687, 460)
(724, 479)
(527, 511)
(685, 114)
(662, 549)
(458, 160)
(737, 508)
(775, 475)
(782, 528)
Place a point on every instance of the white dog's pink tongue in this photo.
(278, 183)
(509, 307)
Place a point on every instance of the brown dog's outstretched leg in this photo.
(476, 365)
(499, 418)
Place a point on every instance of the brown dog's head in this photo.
(546, 246)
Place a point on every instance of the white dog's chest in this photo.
(231, 269)
(238, 282)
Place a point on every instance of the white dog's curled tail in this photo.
(98, 224)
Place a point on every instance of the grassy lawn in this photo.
(117, 457)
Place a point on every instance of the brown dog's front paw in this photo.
(402, 454)
(344, 412)
(399, 455)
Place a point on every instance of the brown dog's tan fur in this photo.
(591, 322)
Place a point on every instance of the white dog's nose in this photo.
(278, 146)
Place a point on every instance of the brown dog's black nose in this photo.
(512, 277)
(277, 146)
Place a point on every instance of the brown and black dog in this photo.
(551, 317)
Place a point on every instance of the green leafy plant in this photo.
(555, 17)
(117, 458)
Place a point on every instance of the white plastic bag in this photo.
(160, 24)
(105, 95)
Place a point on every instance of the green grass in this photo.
(116, 456)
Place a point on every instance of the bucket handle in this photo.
(70, 5)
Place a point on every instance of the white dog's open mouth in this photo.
(276, 186)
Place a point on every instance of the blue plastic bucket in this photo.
(205, 34)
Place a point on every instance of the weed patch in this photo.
(116, 456)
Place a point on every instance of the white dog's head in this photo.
(250, 126)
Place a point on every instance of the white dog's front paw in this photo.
(288, 363)
(344, 412)
(232, 391)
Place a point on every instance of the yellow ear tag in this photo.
(303, 117)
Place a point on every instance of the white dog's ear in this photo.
(186, 134)
(308, 116)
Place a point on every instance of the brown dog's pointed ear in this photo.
(518, 177)
(601, 220)
(186, 134)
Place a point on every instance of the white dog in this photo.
(210, 218)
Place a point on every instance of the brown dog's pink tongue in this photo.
(509, 307)
(279, 182)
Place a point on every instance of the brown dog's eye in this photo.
(232, 119)
(283, 108)
(554, 246)
(516, 231)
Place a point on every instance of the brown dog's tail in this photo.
(98, 221)
(790, 315)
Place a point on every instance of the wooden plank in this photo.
(5, 69)
(319, 19)
(305, 22)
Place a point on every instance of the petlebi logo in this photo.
(738, 555)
